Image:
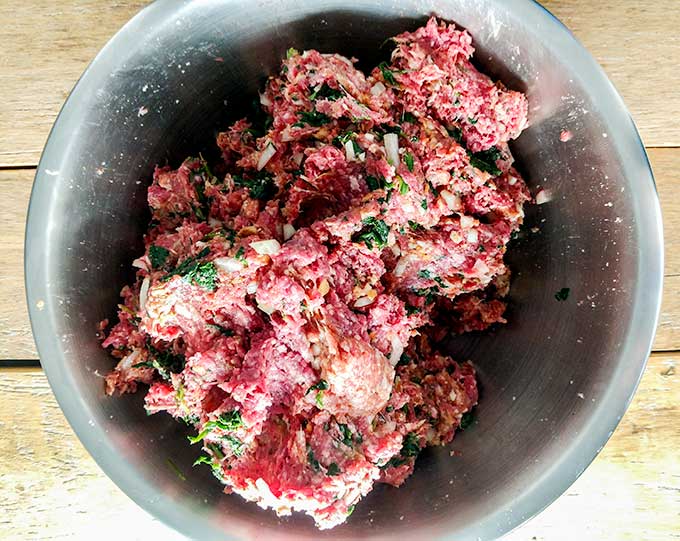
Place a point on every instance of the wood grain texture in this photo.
(44, 48)
(638, 46)
(15, 335)
(53, 489)
(43, 51)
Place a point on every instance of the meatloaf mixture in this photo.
(292, 294)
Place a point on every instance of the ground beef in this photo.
(288, 308)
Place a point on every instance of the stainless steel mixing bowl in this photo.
(555, 380)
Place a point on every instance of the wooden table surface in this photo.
(52, 489)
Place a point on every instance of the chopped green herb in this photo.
(322, 385)
(562, 294)
(403, 186)
(417, 380)
(415, 226)
(237, 446)
(260, 185)
(290, 53)
(424, 273)
(387, 74)
(486, 160)
(440, 281)
(404, 409)
(472, 121)
(375, 183)
(389, 409)
(158, 256)
(203, 459)
(333, 469)
(216, 450)
(408, 117)
(429, 293)
(165, 362)
(456, 133)
(394, 462)
(326, 92)
(466, 420)
(230, 420)
(313, 462)
(346, 433)
(374, 232)
(408, 160)
(410, 446)
(312, 118)
(174, 468)
(319, 399)
(357, 149)
(423, 204)
(205, 275)
(344, 137)
(404, 359)
(350, 510)
(410, 310)
(239, 256)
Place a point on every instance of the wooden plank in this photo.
(631, 491)
(632, 41)
(15, 335)
(51, 487)
(16, 339)
(45, 46)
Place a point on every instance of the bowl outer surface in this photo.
(555, 380)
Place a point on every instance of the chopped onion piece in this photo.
(362, 301)
(228, 264)
(269, 310)
(266, 247)
(466, 221)
(266, 155)
(401, 266)
(481, 267)
(144, 292)
(392, 148)
(378, 88)
(472, 236)
(264, 100)
(349, 151)
(397, 350)
(251, 288)
(288, 231)
(542, 197)
(512, 180)
(140, 263)
(297, 158)
(452, 201)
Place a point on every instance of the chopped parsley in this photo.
(404, 359)
(408, 117)
(424, 273)
(375, 183)
(326, 92)
(562, 294)
(312, 118)
(165, 362)
(410, 310)
(346, 433)
(260, 185)
(375, 232)
(472, 121)
(193, 270)
(350, 510)
(313, 462)
(322, 385)
(403, 186)
(333, 469)
(343, 138)
(410, 446)
(423, 204)
(239, 256)
(230, 420)
(387, 74)
(415, 226)
(466, 420)
(318, 399)
(237, 446)
(486, 160)
(158, 256)
(290, 53)
(408, 160)
(429, 293)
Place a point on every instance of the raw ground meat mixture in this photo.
(290, 298)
